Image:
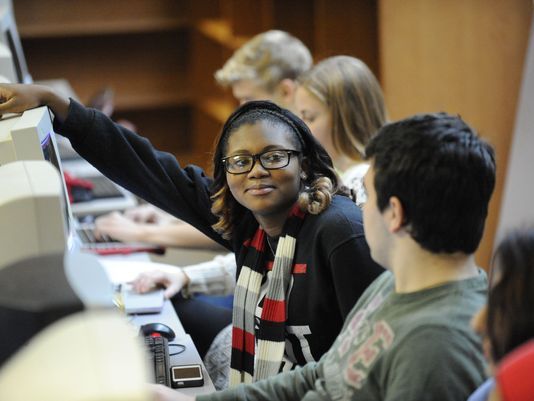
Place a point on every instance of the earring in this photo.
(303, 175)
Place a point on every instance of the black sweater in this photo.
(331, 245)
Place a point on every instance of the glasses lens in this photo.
(238, 164)
(275, 159)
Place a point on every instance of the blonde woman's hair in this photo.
(354, 97)
(267, 58)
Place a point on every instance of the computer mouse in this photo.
(160, 328)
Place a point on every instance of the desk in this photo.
(166, 316)
(189, 356)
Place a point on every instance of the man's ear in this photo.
(286, 88)
(395, 214)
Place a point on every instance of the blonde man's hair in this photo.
(354, 97)
(267, 58)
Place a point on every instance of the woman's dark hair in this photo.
(319, 184)
(510, 320)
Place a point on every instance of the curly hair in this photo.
(320, 181)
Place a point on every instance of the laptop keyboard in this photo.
(103, 188)
(87, 236)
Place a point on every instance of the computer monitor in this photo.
(7, 67)
(89, 356)
(40, 279)
(7, 147)
(30, 136)
(32, 220)
(9, 37)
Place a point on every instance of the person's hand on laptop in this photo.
(172, 282)
(148, 213)
(118, 227)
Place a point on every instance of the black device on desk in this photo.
(187, 376)
(157, 337)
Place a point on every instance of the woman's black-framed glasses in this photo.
(269, 160)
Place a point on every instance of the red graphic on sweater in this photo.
(358, 329)
(361, 360)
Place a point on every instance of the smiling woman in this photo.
(270, 187)
(269, 191)
(274, 189)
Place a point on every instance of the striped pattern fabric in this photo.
(248, 364)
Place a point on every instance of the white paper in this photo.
(124, 271)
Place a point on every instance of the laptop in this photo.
(107, 195)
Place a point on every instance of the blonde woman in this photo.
(342, 103)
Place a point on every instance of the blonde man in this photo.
(266, 68)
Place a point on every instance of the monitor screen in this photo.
(10, 38)
(50, 153)
(19, 61)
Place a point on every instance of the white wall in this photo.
(517, 208)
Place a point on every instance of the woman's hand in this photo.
(173, 282)
(16, 98)
(162, 393)
(118, 227)
(148, 214)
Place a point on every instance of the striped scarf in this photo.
(247, 365)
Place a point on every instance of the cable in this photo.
(180, 351)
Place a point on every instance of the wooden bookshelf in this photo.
(159, 56)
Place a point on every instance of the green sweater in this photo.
(416, 346)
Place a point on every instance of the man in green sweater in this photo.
(408, 337)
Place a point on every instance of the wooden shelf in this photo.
(221, 32)
(53, 18)
(217, 109)
(150, 101)
(90, 28)
(145, 70)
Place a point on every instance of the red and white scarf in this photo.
(249, 364)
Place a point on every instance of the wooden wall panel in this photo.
(462, 57)
(285, 18)
(347, 27)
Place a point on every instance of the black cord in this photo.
(181, 351)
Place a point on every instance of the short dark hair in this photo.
(510, 320)
(316, 193)
(442, 173)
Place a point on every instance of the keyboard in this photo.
(103, 188)
(158, 350)
(88, 237)
(109, 246)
